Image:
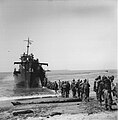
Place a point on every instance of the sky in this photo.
(66, 34)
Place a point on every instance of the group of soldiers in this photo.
(79, 88)
(52, 85)
(105, 90)
(103, 86)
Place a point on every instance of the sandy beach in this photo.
(44, 109)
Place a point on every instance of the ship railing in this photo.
(26, 62)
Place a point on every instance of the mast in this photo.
(26, 74)
(28, 43)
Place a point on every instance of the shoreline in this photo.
(57, 111)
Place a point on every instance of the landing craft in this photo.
(30, 73)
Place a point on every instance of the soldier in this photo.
(112, 85)
(78, 88)
(62, 89)
(107, 86)
(55, 87)
(86, 89)
(100, 90)
(107, 93)
(96, 85)
(73, 88)
(59, 83)
(67, 88)
(45, 82)
(107, 83)
(81, 90)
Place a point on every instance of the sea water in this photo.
(8, 91)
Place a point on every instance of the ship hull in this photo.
(27, 80)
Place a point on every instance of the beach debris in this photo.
(55, 113)
(62, 100)
(16, 103)
(16, 113)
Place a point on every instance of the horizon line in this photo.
(74, 70)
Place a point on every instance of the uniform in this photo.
(86, 88)
(67, 88)
(73, 88)
(78, 88)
